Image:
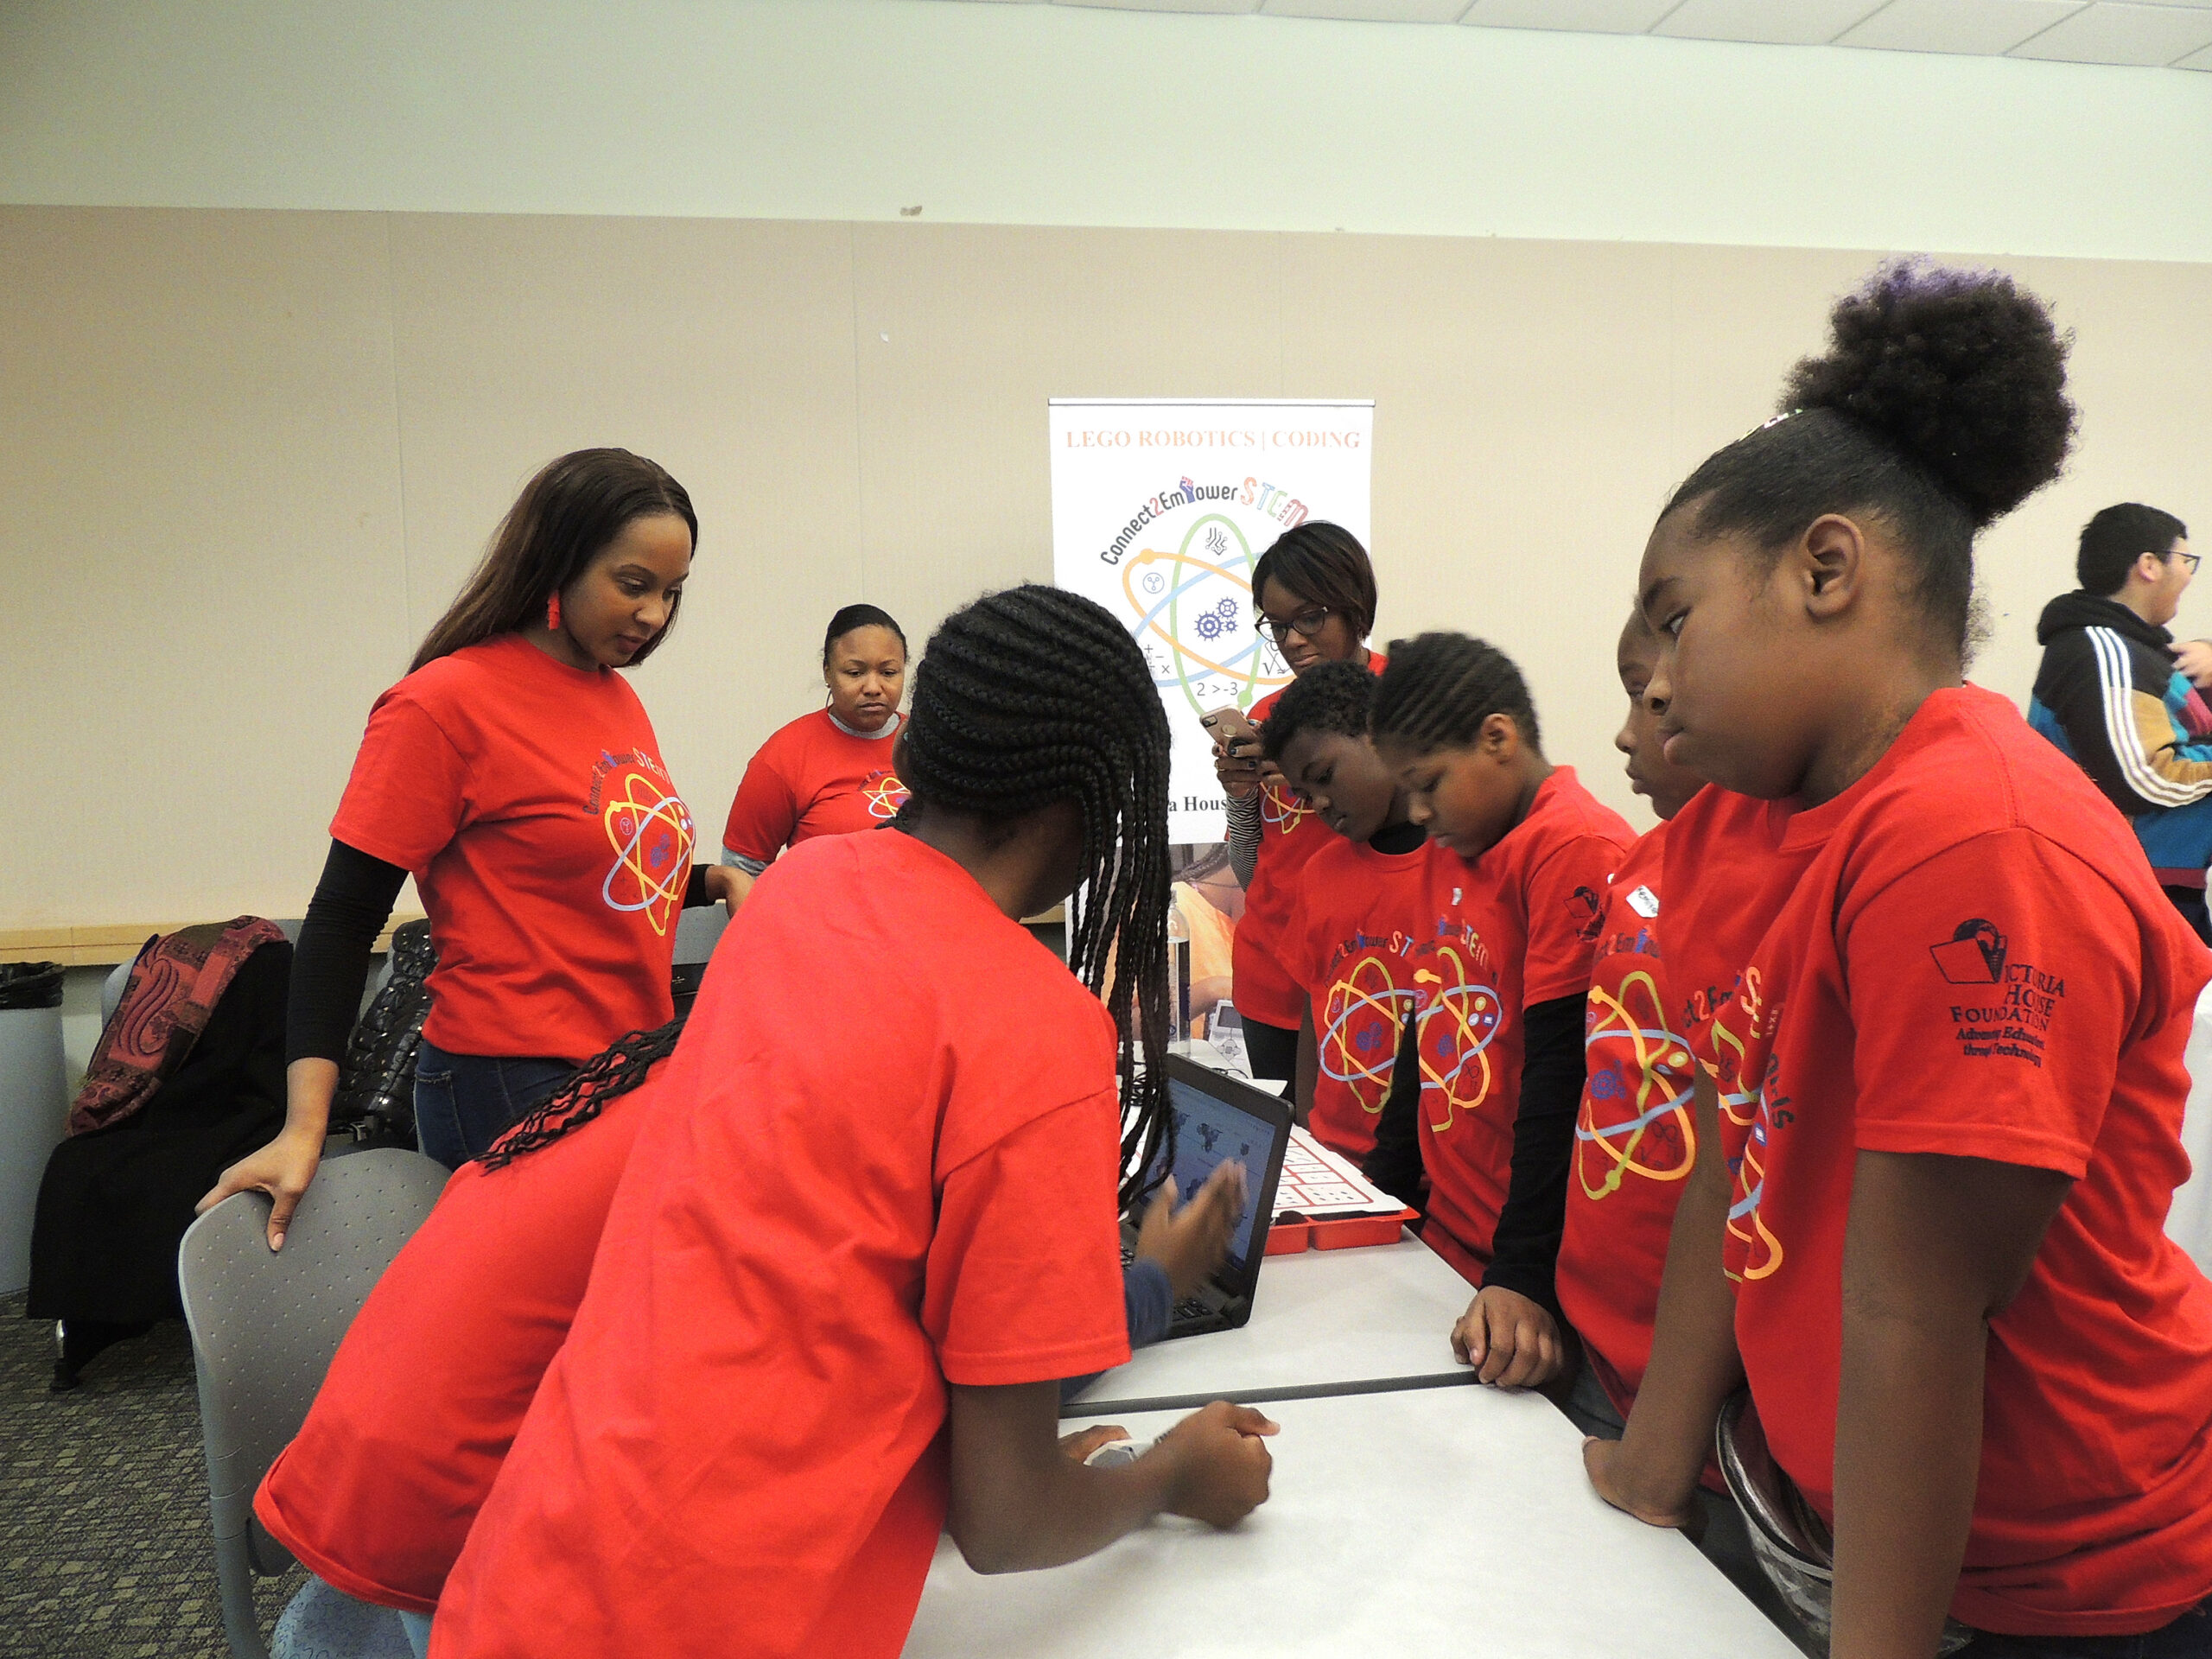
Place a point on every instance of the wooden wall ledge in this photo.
(107, 942)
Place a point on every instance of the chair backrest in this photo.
(265, 1324)
(697, 932)
(111, 990)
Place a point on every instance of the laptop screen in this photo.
(1209, 1131)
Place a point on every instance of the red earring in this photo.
(553, 612)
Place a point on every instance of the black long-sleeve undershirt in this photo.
(352, 901)
(1524, 1252)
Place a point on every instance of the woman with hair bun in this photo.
(830, 772)
(1940, 1004)
(515, 774)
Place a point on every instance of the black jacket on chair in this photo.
(116, 1202)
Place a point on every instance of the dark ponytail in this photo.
(1939, 406)
(1035, 695)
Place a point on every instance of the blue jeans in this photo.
(2189, 1637)
(463, 1102)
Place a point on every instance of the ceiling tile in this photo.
(2112, 33)
(1370, 11)
(1987, 28)
(1782, 23)
(1167, 5)
(2196, 60)
(1584, 16)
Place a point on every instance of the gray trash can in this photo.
(33, 1105)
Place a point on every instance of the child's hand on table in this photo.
(1508, 1339)
(1223, 1463)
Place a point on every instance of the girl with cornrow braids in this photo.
(376, 1493)
(1528, 854)
(1940, 1005)
(862, 1236)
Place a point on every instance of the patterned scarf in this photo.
(174, 987)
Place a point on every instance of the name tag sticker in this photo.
(1644, 903)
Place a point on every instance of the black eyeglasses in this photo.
(2192, 560)
(1304, 625)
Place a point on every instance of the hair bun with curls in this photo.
(1960, 372)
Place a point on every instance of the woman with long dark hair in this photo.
(515, 775)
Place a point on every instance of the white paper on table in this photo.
(1318, 1184)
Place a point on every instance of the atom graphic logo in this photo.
(1753, 1251)
(1282, 810)
(884, 794)
(1640, 1081)
(651, 831)
(1189, 613)
(1749, 1242)
(1358, 1042)
(1458, 1022)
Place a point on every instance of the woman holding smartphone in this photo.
(1315, 592)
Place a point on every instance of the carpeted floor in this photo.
(105, 1547)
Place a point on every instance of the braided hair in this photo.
(1438, 688)
(1035, 695)
(614, 1071)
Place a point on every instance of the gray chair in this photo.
(264, 1326)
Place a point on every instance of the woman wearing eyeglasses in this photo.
(1316, 594)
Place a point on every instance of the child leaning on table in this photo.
(1634, 1136)
(1944, 1004)
(1361, 894)
(866, 1234)
(1528, 853)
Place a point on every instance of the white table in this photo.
(1443, 1521)
(1322, 1321)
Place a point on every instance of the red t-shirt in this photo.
(377, 1493)
(1263, 987)
(1634, 1138)
(1534, 904)
(552, 853)
(868, 1193)
(1358, 918)
(1973, 929)
(813, 778)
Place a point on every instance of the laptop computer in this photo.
(1219, 1119)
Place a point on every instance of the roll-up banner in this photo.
(1161, 509)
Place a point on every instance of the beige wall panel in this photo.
(251, 456)
(1520, 411)
(2141, 376)
(985, 325)
(200, 525)
(723, 349)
